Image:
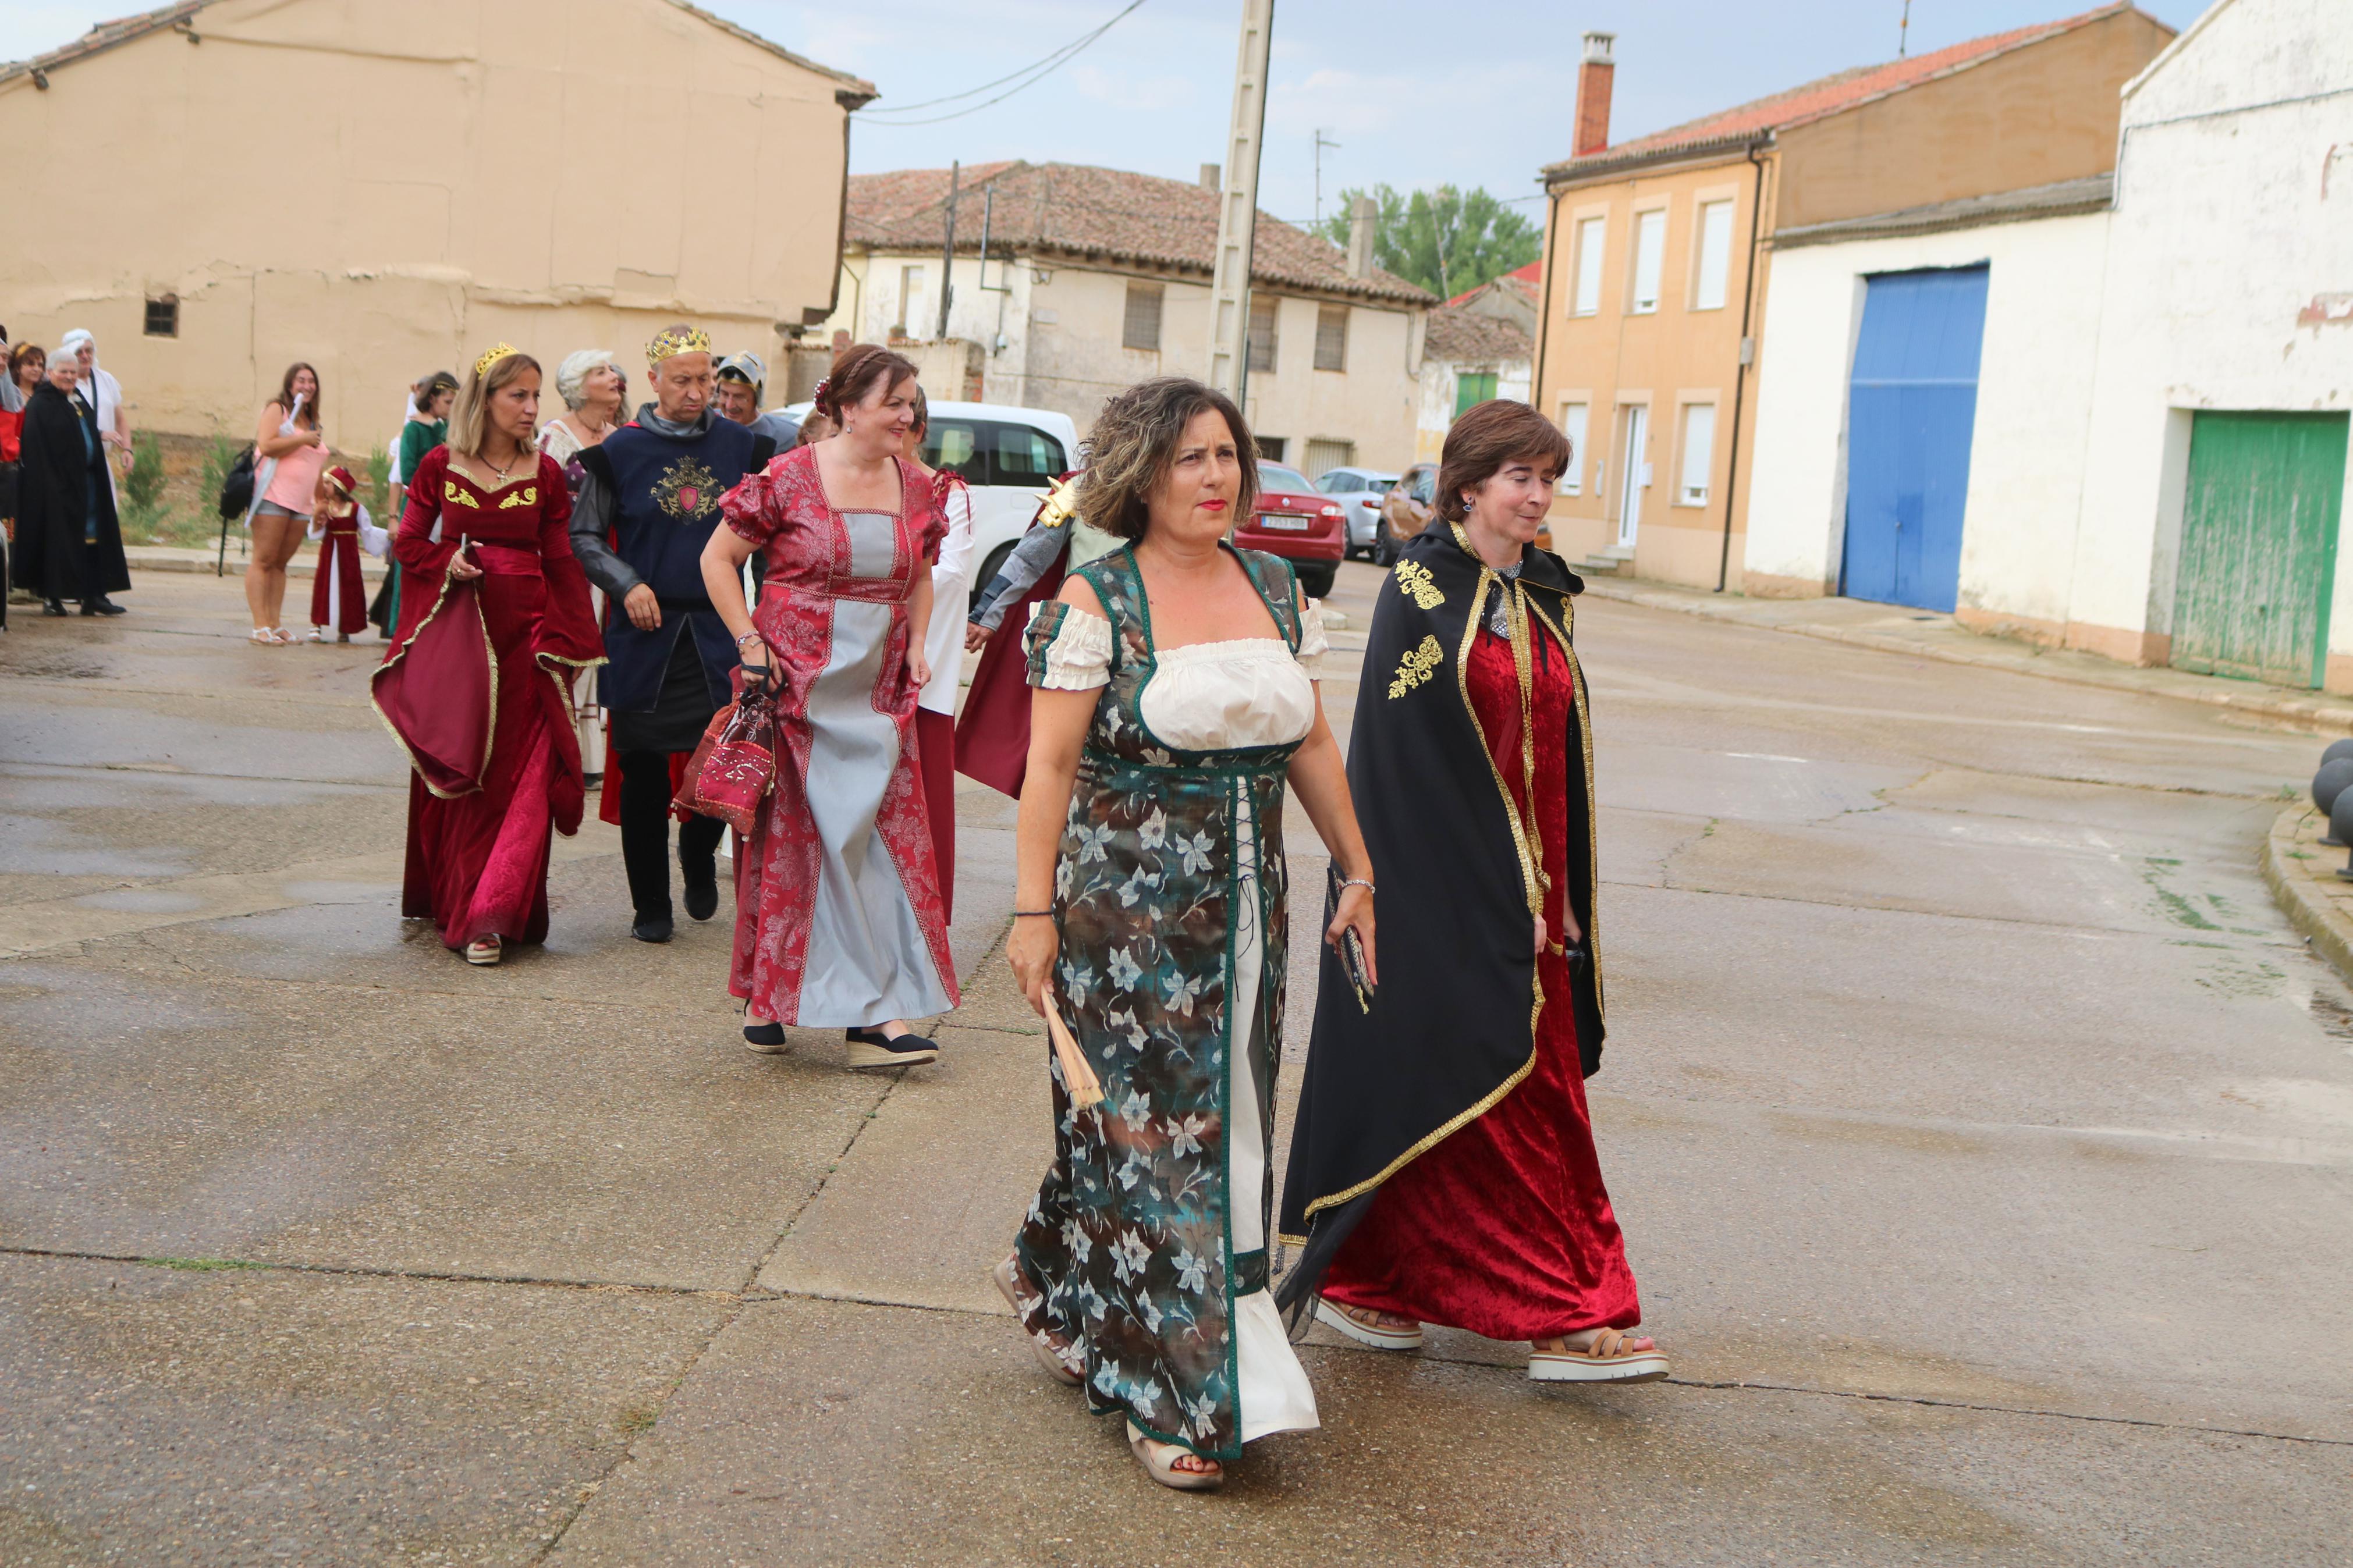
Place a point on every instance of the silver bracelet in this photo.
(1357, 882)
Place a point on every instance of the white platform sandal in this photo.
(1610, 1358)
(1370, 1334)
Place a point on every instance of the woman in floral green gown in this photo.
(1174, 700)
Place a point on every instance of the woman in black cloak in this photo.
(1442, 1168)
(69, 543)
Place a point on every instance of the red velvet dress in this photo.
(1506, 1228)
(478, 859)
(338, 597)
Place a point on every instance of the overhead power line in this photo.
(1026, 76)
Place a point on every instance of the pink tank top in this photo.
(297, 479)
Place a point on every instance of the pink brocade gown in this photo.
(838, 917)
(478, 862)
(1506, 1228)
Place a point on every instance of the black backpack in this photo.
(236, 491)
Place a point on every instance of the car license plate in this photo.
(1289, 522)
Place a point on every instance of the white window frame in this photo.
(1712, 263)
(1694, 412)
(1138, 291)
(1592, 251)
(1576, 417)
(1650, 256)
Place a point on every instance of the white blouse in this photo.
(1211, 696)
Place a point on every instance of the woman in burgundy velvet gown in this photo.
(1442, 1164)
(476, 686)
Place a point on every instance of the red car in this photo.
(1293, 520)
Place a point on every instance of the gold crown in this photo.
(693, 340)
(483, 365)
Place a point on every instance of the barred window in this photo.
(1143, 328)
(1332, 337)
(164, 316)
(1262, 332)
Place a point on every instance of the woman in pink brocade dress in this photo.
(839, 922)
(490, 511)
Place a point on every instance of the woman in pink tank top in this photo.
(290, 449)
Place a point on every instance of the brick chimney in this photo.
(1593, 79)
(1213, 179)
(1360, 237)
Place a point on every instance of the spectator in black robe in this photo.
(69, 540)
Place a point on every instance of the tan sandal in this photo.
(484, 951)
(1057, 1357)
(1160, 1461)
(1612, 1357)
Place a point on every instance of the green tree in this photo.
(1448, 240)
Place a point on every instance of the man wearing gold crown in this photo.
(646, 509)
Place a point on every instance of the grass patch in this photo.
(639, 1418)
(200, 1265)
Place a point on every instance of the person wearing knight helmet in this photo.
(646, 509)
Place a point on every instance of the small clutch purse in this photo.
(1351, 946)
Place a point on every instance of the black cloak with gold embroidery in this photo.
(1452, 1028)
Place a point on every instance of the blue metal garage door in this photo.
(1911, 405)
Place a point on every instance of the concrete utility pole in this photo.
(1238, 212)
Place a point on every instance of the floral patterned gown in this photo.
(1144, 1250)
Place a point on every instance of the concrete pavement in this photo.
(1981, 1132)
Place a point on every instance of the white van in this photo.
(1007, 455)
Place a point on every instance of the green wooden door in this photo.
(2259, 545)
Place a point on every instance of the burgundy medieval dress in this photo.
(838, 915)
(338, 597)
(1505, 1228)
(477, 844)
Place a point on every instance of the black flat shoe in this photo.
(768, 1039)
(655, 929)
(871, 1049)
(102, 605)
(53, 608)
(702, 886)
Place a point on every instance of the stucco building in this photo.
(1658, 252)
(1480, 344)
(220, 187)
(2127, 432)
(1097, 279)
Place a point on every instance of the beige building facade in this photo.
(1650, 343)
(1096, 279)
(221, 187)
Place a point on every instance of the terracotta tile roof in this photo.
(1527, 279)
(1462, 336)
(105, 35)
(1074, 210)
(1826, 96)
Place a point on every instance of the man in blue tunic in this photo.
(650, 503)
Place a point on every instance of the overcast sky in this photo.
(1475, 92)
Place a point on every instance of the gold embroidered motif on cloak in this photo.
(1417, 666)
(1414, 579)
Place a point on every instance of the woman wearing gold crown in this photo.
(476, 686)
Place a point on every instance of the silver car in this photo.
(1359, 491)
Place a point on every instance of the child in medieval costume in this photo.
(992, 735)
(343, 528)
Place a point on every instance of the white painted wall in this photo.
(2034, 391)
(1054, 341)
(2234, 216)
(1435, 416)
